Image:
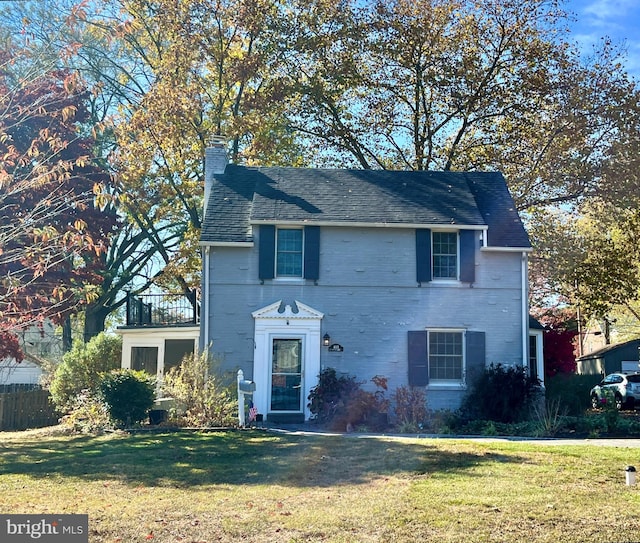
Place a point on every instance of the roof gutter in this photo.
(363, 224)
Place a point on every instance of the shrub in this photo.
(410, 408)
(329, 395)
(89, 415)
(549, 418)
(501, 394)
(128, 394)
(571, 391)
(82, 367)
(202, 392)
(342, 404)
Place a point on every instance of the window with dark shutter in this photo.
(446, 357)
(418, 362)
(445, 255)
(289, 251)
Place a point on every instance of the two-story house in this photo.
(417, 276)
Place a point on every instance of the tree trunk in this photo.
(94, 321)
(67, 337)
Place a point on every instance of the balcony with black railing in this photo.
(162, 310)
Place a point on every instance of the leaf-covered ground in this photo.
(257, 486)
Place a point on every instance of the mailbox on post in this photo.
(244, 387)
(247, 387)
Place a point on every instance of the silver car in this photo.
(623, 389)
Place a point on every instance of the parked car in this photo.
(621, 388)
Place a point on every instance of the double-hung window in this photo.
(445, 255)
(289, 252)
(446, 357)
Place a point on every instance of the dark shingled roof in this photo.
(272, 195)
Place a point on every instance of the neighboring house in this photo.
(37, 342)
(610, 359)
(420, 277)
(19, 373)
(160, 330)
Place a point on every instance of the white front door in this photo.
(286, 375)
(286, 360)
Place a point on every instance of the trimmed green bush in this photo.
(128, 394)
(81, 369)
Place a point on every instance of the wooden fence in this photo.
(27, 409)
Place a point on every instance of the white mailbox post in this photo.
(244, 387)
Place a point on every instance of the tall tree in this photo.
(166, 84)
(54, 220)
(420, 84)
(459, 85)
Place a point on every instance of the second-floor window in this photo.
(289, 252)
(445, 255)
(289, 246)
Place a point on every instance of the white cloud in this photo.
(618, 20)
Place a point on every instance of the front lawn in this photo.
(255, 486)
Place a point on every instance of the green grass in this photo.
(255, 486)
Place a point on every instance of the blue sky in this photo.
(618, 19)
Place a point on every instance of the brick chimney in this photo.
(215, 161)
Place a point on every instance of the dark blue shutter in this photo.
(418, 359)
(423, 255)
(468, 255)
(475, 356)
(267, 251)
(312, 252)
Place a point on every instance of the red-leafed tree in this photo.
(10, 347)
(54, 221)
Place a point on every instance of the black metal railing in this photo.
(162, 309)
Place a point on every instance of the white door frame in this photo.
(270, 324)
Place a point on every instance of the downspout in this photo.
(204, 320)
(525, 310)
